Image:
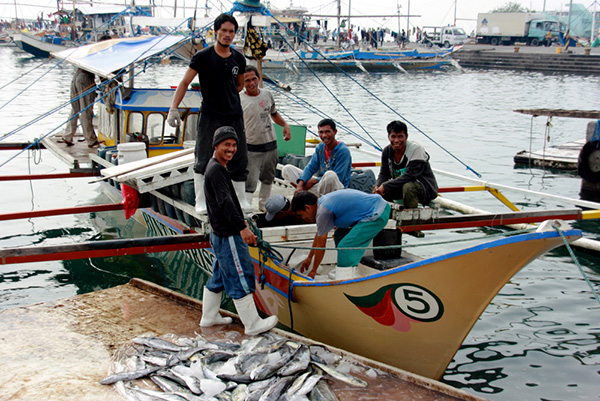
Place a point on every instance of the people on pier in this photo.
(358, 217)
(233, 269)
(405, 172)
(328, 169)
(259, 109)
(220, 70)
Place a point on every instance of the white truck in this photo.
(508, 28)
(443, 36)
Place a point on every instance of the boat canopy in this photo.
(108, 57)
(99, 10)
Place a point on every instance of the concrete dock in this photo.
(551, 59)
(60, 350)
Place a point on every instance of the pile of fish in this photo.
(268, 367)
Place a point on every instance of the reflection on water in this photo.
(538, 339)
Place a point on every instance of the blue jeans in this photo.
(233, 269)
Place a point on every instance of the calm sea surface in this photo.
(540, 337)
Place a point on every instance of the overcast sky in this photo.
(429, 12)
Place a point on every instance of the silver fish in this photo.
(297, 384)
(158, 343)
(299, 363)
(322, 392)
(167, 385)
(148, 395)
(343, 377)
(240, 393)
(191, 382)
(308, 385)
(128, 376)
(267, 370)
(274, 392)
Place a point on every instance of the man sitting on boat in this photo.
(405, 172)
(233, 269)
(328, 169)
(259, 109)
(364, 214)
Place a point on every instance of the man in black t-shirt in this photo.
(233, 269)
(220, 70)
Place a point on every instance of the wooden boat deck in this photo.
(60, 350)
(562, 157)
(77, 157)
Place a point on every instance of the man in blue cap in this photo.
(233, 269)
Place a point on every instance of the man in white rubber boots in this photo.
(220, 70)
(233, 270)
(259, 109)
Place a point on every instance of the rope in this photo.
(503, 234)
(587, 280)
(366, 90)
(99, 86)
(265, 250)
(290, 284)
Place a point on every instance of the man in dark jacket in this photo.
(405, 171)
(233, 269)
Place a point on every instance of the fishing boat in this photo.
(36, 45)
(407, 311)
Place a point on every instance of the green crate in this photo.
(296, 145)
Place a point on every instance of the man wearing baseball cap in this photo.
(233, 270)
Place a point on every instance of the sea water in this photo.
(539, 339)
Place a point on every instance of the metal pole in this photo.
(339, 13)
(408, 21)
(569, 21)
(593, 34)
(455, 1)
(349, 13)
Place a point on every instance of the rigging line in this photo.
(22, 75)
(322, 114)
(79, 96)
(377, 98)
(57, 64)
(102, 84)
(378, 147)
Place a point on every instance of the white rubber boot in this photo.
(253, 323)
(263, 194)
(240, 192)
(199, 190)
(345, 273)
(211, 303)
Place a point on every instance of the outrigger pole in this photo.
(97, 249)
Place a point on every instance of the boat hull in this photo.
(414, 317)
(34, 45)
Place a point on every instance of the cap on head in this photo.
(223, 133)
(276, 204)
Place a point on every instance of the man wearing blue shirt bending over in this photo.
(364, 214)
(329, 167)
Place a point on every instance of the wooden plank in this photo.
(63, 211)
(489, 219)
(594, 114)
(95, 249)
(115, 171)
(46, 176)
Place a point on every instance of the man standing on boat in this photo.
(259, 109)
(233, 269)
(405, 172)
(220, 70)
(328, 169)
(365, 215)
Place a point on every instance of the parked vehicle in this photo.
(444, 36)
(508, 28)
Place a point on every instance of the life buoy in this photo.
(588, 164)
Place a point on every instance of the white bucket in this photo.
(131, 151)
